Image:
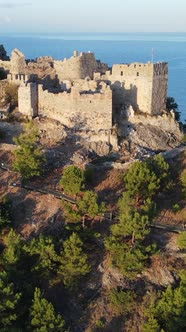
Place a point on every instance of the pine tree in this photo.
(168, 309)
(44, 255)
(140, 181)
(88, 204)
(144, 179)
(129, 259)
(171, 105)
(9, 301)
(28, 156)
(43, 317)
(5, 219)
(160, 167)
(126, 241)
(151, 325)
(134, 225)
(73, 261)
(72, 180)
(12, 249)
(70, 212)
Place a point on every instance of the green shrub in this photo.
(181, 240)
(100, 324)
(176, 208)
(120, 300)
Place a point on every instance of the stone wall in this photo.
(3, 86)
(101, 136)
(77, 67)
(85, 110)
(80, 84)
(81, 110)
(159, 87)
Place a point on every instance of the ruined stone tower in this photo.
(18, 62)
(144, 86)
(28, 100)
(79, 66)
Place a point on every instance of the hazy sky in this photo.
(93, 16)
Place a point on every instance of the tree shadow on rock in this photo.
(116, 324)
(22, 208)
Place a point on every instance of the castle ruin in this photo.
(83, 93)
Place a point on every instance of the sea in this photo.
(112, 48)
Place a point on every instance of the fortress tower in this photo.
(28, 99)
(144, 86)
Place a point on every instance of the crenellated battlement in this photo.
(160, 68)
(18, 78)
(136, 69)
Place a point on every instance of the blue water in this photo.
(113, 48)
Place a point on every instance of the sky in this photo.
(92, 16)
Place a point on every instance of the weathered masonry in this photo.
(87, 110)
(144, 86)
(83, 92)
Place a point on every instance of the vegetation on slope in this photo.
(44, 274)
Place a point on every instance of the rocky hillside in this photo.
(94, 305)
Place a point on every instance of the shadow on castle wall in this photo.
(122, 97)
(3, 73)
(51, 84)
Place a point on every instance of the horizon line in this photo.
(92, 32)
